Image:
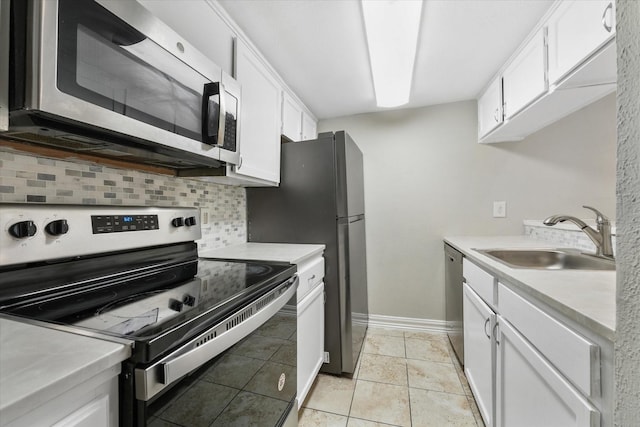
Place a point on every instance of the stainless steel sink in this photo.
(549, 259)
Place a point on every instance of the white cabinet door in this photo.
(93, 414)
(309, 127)
(201, 25)
(479, 351)
(490, 108)
(260, 117)
(576, 30)
(523, 81)
(530, 392)
(310, 336)
(291, 118)
(93, 403)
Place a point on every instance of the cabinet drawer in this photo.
(483, 283)
(574, 356)
(311, 274)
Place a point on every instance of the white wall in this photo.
(426, 178)
(627, 343)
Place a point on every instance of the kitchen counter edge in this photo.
(278, 252)
(63, 361)
(593, 307)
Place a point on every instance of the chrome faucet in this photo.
(601, 236)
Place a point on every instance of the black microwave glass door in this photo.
(104, 61)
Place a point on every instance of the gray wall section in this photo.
(627, 345)
(426, 177)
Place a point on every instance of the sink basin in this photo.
(549, 259)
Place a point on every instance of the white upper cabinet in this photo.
(309, 127)
(523, 80)
(200, 25)
(291, 117)
(297, 124)
(568, 63)
(577, 30)
(490, 108)
(260, 118)
(264, 113)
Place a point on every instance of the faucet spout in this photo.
(554, 219)
(601, 236)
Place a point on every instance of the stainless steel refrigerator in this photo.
(321, 200)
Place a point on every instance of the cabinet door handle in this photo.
(485, 327)
(239, 163)
(495, 327)
(607, 9)
(495, 114)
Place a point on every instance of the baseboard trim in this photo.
(407, 323)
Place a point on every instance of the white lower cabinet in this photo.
(93, 403)
(310, 340)
(530, 391)
(310, 334)
(479, 351)
(93, 414)
(528, 365)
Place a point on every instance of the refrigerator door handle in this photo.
(356, 218)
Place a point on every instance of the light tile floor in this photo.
(410, 379)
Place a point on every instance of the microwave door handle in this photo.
(223, 116)
(212, 89)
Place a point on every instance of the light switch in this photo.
(500, 209)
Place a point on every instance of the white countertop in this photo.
(39, 363)
(279, 252)
(586, 296)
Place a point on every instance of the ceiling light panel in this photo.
(392, 28)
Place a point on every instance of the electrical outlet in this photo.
(205, 217)
(500, 209)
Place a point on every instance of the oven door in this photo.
(113, 65)
(240, 372)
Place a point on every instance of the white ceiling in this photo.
(319, 48)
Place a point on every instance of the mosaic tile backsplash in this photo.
(565, 236)
(32, 179)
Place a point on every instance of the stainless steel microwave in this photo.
(108, 78)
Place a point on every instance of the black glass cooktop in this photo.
(148, 303)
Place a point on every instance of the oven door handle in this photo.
(155, 378)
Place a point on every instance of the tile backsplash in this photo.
(563, 235)
(32, 179)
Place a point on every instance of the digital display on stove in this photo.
(120, 223)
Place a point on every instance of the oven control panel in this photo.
(122, 223)
(43, 232)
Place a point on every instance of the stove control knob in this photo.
(177, 222)
(190, 221)
(175, 305)
(57, 227)
(23, 229)
(189, 300)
